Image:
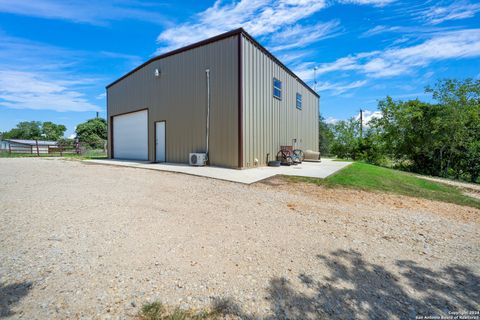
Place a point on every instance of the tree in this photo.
(52, 131)
(461, 103)
(346, 139)
(325, 136)
(93, 132)
(439, 139)
(32, 130)
(25, 130)
(409, 131)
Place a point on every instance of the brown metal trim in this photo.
(240, 102)
(112, 156)
(148, 133)
(155, 139)
(109, 131)
(121, 114)
(222, 36)
(124, 113)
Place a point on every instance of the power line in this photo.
(361, 123)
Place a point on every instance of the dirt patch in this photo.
(469, 189)
(83, 241)
(456, 183)
(379, 200)
(473, 194)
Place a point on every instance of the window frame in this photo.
(279, 88)
(299, 101)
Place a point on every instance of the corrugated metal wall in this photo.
(268, 122)
(178, 97)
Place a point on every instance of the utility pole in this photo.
(315, 79)
(97, 114)
(361, 124)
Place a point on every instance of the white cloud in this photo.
(98, 12)
(28, 90)
(132, 59)
(345, 63)
(258, 17)
(21, 53)
(379, 3)
(412, 31)
(305, 71)
(339, 88)
(455, 11)
(331, 120)
(274, 19)
(39, 76)
(368, 116)
(293, 55)
(378, 30)
(299, 36)
(397, 61)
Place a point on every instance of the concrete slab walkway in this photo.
(247, 176)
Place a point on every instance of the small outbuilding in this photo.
(27, 146)
(226, 96)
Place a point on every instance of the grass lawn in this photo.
(373, 178)
(90, 154)
(158, 311)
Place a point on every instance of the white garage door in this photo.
(130, 136)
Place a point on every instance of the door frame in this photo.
(155, 139)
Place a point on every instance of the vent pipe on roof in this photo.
(208, 109)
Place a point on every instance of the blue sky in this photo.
(56, 57)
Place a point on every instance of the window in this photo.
(299, 101)
(277, 88)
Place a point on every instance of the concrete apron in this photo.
(247, 176)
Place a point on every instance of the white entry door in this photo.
(160, 141)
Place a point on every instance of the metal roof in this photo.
(32, 142)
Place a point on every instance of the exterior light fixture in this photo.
(157, 73)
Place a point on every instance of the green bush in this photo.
(441, 139)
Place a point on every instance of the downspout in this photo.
(208, 110)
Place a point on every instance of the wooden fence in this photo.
(41, 149)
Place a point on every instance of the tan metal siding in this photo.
(178, 97)
(268, 122)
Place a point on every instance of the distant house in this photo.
(26, 146)
(4, 145)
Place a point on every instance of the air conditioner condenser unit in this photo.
(198, 159)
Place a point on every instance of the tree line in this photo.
(439, 138)
(92, 133)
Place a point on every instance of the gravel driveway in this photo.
(89, 241)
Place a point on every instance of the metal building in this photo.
(226, 93)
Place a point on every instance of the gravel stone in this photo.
(83, 241)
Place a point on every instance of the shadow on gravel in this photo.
(359, 289)
(10, 295)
